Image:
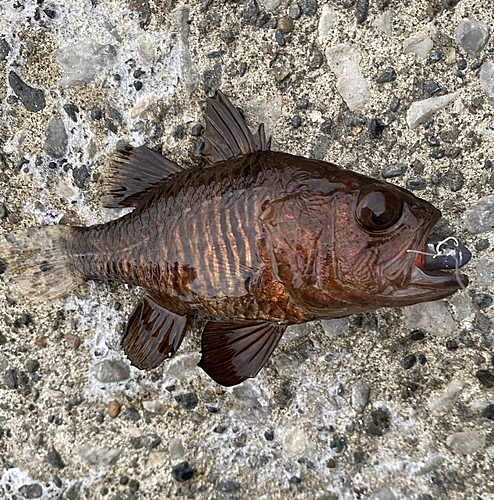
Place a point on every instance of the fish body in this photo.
(255, 240)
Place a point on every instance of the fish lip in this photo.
(444, 280)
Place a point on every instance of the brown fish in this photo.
(255, 240)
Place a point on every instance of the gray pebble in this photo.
(353, 120)
(4, 49)
(467, 442)
(81, 176)
(250, 12)
(482, 245)
(387, 76)
(479, 218)
(187, 401)
(113, 118)
(280, 38)
(416, 184)
(151, 441)
(482, 300)
(33, 490)
(432, 88)
(95, 455)
(306, 350)
(453, 152)
(11, 378)
(394, 104)
(431, 140)
(296, 121)
(382, 4)
(485, 271)
(143, 10)
(3, 211)
(449, 136)
(362, 11)
(320, 147)
(455, 179)
(450, 4)
(95, 113)
(54, 459)
(182, 472)
(176, 449)
(31, 365)
(431, 317)
(31, 98)
(482, 323)
(435, 56)
(308, 7)
(396, 170)
(326, 126)
(409, 361)
(178, 132)
(376, 128)
(472, 35)
(487, 81)
(211, 79)
(283, 397)
(108, 371)
(133, 414)
(71, 110)
(294, 11)
(196, 129)
(360, 395)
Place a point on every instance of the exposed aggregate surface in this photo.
(395, 404)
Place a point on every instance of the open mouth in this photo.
(437, 264)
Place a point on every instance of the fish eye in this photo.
(378, 210)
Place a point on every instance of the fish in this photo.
(254, 240)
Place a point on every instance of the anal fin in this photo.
(233, 351)
(153, 334)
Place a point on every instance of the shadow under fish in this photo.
(255, 240)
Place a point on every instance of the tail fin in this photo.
(37, 262)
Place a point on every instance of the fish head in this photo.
(376, 239)
(350, 245)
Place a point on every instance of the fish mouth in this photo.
(430, 267)
(434, 274)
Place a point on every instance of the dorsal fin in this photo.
(133, 172)
(227, 135)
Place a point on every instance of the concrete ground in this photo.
(394, 404)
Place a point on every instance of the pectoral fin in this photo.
(153, 334)
(234, 351)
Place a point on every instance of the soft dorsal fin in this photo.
(133, 172)
(153, 334)
(233, 351)
(227, 135)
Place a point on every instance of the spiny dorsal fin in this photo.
(133, 172)
(153, 334)
(233, 351)
(227, 135)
